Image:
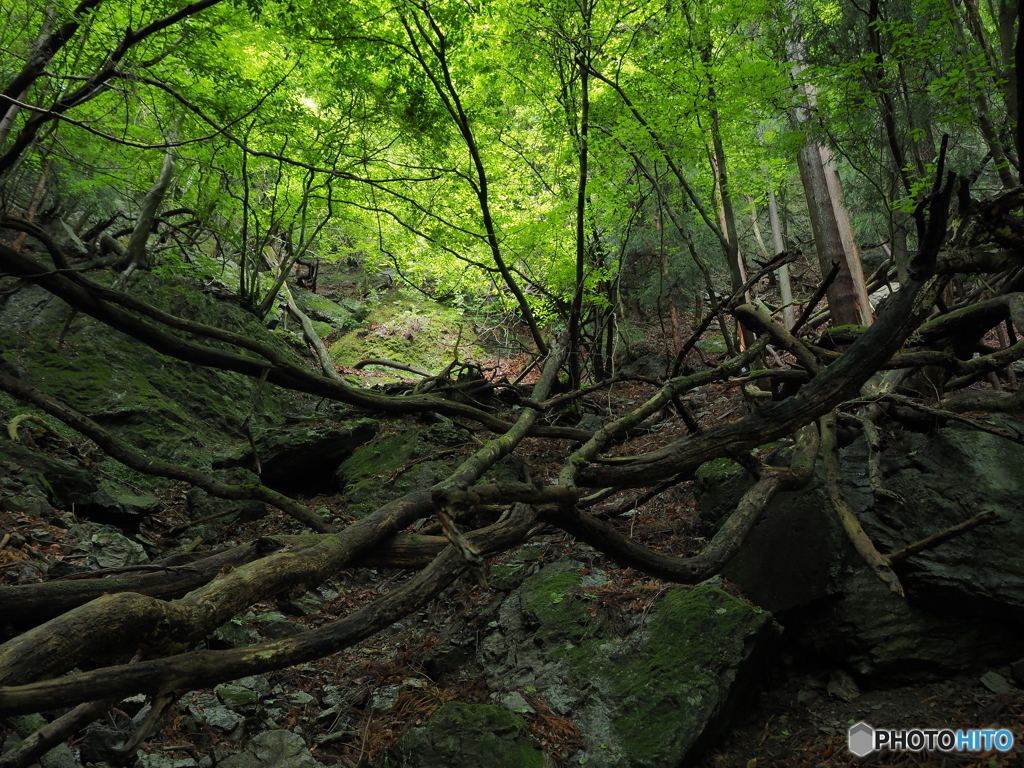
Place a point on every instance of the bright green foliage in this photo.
(445, 141)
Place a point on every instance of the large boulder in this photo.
(163, 406)
(648, 690)
(304, 455)
(405, 327)
(964, 606)
(415, 459)
(342, 315)
(32, 481)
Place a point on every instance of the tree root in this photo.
(833, 488)
(725, 544)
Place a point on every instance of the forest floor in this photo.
(794, 723)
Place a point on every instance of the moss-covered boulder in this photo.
(28, 475)
(303, 456)
(405, 327)
(648, 690)
(343, 315)
(964, 605)
(415, 459)
(668, 692)
(161, 405)
(718, 486)
(203, 506)
(468, 736)
(64, 484)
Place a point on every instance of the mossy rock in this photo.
(303, 456)
(713, 345)
(390, 467)
(718, 486)
(321, 309)
(548, 601)
(237, 696)
(651, 696)
(163, 406)
(678, 688)
(64, 485)
(468, 736)
(408, 328)
(201, 504)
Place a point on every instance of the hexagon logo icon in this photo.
(861, 739)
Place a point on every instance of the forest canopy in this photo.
(573, 171)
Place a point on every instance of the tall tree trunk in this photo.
(727, 213)
(136, 253)
(33, 206)
(576, 312)
(830, 222)
(845, 303)
(1008, 11)
(782, 274)
(669, 283)
(850, 249)
(36, 60)
(1005, 163)
(1004, 75)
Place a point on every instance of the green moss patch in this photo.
(548, 600)
(162, 405)
(407, 328)
(468, 736)
(653, 695)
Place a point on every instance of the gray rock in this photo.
(273, 749)
(102, 546)
(390, 467)
(201, 504)
(383, 699)
(996, 682)
(965, 597)
(300, 698)
(808, 697)
(514, 702)
(258, 683)
(65, 486)
(163, 761)
(652, 365)
(281, 630)
(232, 634)
(30, 503)
(507, 576)
(590, 422)
(122, 505)
(842, 686)
(225, 719)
